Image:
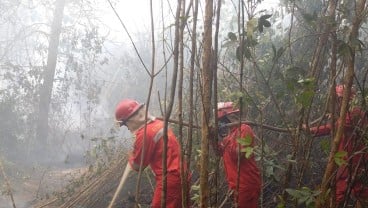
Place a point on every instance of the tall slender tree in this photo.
(207, 77)
(49, 73)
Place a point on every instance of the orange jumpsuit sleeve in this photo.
(138, 149)
(318, 131)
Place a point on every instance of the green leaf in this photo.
(232, 36)
(246, 53)
(263, 22)
(266, 23)
(280, 52)
(277, 54)
(339, 158)
(343, 49)
(195, 197)
(296, 194)
(305, 97)
(195, 188)
(325, 145)
(248, 152)
(251, 25)
(274, 51)
(260, 28)
(306, 81)
(266, 16)
(304, 196)
(246, 141)
(281, 203)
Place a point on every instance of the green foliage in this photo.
(251, 27)
(245, 143)
(277, 53)
(270, 162)
(344, 50)
(263, 22)
(302, 89)
(232, 36)
(102, 152)
(310, 18)
(339, 158)
(195, 196)
(281, 203)
(325, 145)
(245, 50)
(304, 196)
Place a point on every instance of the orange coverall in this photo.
(250, 180)
(153, 149)
(352, 142)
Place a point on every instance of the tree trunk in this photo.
(349, 77)
(206, 100)
(49, 73)
(169, 108)
(188, 157)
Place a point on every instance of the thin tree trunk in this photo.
(49, 73)
(349, 77)
(314, 71)
(169, 108)
(241, 24)
(215, 97)
(191, 89)
(152, 76)
(180, 104)
(206, 101)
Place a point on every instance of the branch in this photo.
(251, 123)
(130, 37)
(7, 183)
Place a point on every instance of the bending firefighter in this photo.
(249, 176)
(149, 147)
(352, 175)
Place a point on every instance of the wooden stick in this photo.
(121, 184)
(48, 203)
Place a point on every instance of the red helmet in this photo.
(225, 108)
(126, 109)
(340, 91)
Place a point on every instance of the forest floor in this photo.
(29, 185)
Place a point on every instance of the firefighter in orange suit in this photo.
(130, 113)
(351, 177)
(228, 148)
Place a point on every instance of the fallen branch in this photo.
(7, 183)
(227, 196)
(48, 203)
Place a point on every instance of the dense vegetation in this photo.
(63, 69)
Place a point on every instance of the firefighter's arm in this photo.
(318, 131)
